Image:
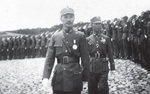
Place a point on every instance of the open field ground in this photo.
(25, 77)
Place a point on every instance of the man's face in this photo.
(97, 27)
(67, 20)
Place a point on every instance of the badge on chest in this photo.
(74, 46)
(103, 41)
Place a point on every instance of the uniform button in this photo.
(64, 68)
(66, 41)
(66, 51)
(66, 33)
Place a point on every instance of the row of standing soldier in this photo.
(21, 47)
(130, 38)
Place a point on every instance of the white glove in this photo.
(85, 87)
(112, 39)
(113, 72)
(128, 39)
(45, 84)
(145, 36)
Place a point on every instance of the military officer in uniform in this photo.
(1, 45)
(10, 46)
(67, 45)
(100, 52)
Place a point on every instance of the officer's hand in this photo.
(84, 83)
(85, 87)
(112, 39)
(112, 72)
(128, 39)
(45, 84)
(145, 36)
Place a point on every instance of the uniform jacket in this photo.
(99, 65)
(38, 43)
(67, 77)
(33, 43)
(125, 32)
(43, 41)
(120, 33)
(1, 45)
(10, 44)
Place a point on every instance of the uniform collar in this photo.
(96, 34)
(67, 32)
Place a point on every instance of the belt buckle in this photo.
(65, 59)
(97, 55)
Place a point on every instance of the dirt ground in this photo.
(25, 77)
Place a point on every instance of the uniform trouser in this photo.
(4, 54)
(125, 49)
(0, 55)
(61, 92)
(10, 54)
(148, 50)
(144, 48)
(135, 50)
(22, 53)
(120, 48)
(38, 52)
(116, 48)
(27, 52)
(98, 84)
(132, 49)
(32, 52)
(129, 49)
(15, 53)
(43, 51)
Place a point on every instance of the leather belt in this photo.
(68, 59)
(97, 55)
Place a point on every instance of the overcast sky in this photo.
(20, 14)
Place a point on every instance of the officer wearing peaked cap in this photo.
(100, 52)
(67, 46)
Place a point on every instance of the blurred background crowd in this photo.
(130, 38)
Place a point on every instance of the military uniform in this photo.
(4, 49)
(15, 47)
(100, 49)
(68, 74)
(38, 46)
(99, 46)
(148, 34)
(22, 48)
(43, 45)
(1, 45)
(10, 46)
(115, 43)
(28, 44)
(32, 47)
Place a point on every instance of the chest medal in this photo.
(97, 45)
(74, 45)
(103, 40)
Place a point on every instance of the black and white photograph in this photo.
(74, 46)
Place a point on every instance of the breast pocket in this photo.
(58, 48)
(103, 47)
(91, 47)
